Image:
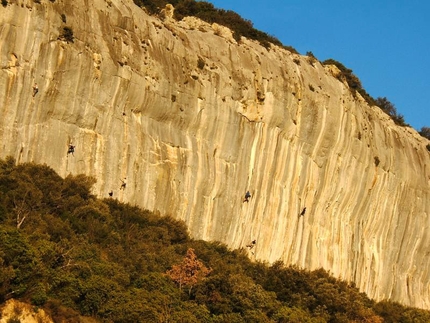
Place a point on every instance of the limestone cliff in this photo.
(193, 120)
(15, 311)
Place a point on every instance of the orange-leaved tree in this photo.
(189, 272)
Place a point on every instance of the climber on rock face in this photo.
(303, 212)
(35, 89)
(252, 244)
(123, 184)
(247, 197)
(71, 150)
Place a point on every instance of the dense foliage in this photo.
(207, 12)
(425, 132)
(391, 110)
(64, 250)
(354, 83)
(355, 86)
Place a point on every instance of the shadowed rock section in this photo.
(191, 120)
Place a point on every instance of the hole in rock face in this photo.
(377, 161)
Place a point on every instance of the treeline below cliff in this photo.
(76, 256)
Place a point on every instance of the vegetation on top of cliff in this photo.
(65, 250)
(242, 27)
(346, 75)
(207, 12)
(354, 83)
(391, 110)
(425, 132)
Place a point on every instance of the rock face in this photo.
(191, 120)
(15, 311)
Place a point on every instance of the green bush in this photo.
(13, 320)
(425, 132)
(207, 12)
(311, 58)
(345, 74)
(391, 110)
(356, 87)
(353, 81)
(38, 295)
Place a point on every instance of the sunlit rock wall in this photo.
(16, 311)
(192, 120)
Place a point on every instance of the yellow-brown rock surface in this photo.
(16, 311)
(193, 120)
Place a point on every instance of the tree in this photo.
(425, 132)
(391, 110)
(189, 272)
(386, 106)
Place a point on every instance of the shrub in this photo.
(291, 49)
(39, 296)
(310, 54)
(207, 12)
(4, 3)
(356, 87)
(346, 74)
(14, 320)
(425, 132)
(236, 36)
(311, 58)
(391, 110)
(353, 81)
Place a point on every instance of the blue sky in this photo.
(385, 43)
